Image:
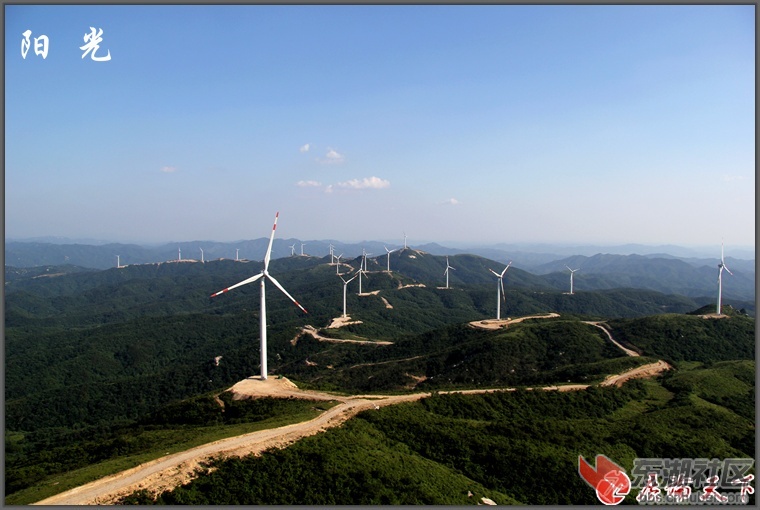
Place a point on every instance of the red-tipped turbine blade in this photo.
(285, 292)
(244, 282)
(271, 239)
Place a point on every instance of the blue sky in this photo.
(475, 124)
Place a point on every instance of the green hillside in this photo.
(504, 446)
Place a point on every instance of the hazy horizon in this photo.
(486, 124)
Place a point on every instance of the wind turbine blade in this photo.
(277, 284)
(729, 271)
(271, 238)
(354, 278)
(244, 282)
(494, 273)
(505, 269)
(503, 297)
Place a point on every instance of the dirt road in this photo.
(173, 470)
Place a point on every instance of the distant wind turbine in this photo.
(264, 275)
(332, 256)
(237, 251)
(337, 266)
(292, 250)
(447, 272)
(500, 287)
(721, 267)
(302, 245)
(202, 261)
(572, 272)
(179, 254)
(389, 257)
(405, 240)
(345, 285)
(362, 268)
(118, 264)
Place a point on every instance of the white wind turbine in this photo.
(237, 250)
(572, 272)
(500, 289)
(447, 272)
(337, 266)
(332, 256)
(292, 250)
(179, 254)
(302, 245)
(263, 276)
(721, 267)
(362, 268)
(118, 263)
(345, 285)
(405, 240)
(202, 261)
(389, 257)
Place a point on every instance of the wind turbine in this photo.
(179, 254)
(237, 250)
(118, 264)
(405, 240)
(362, 268)
(721, 267)
(389, 257)
(345, 285)
(447, 272)
(500, 287)
(332, 256)
(292, 250)
(572, 271)
(337, 266)
(302, 245)
(202, 261)
(264, 273)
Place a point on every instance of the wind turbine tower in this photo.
(500, 289)
(179, 254)
(237, 251)
(202, 261)
(345, 285)
(302, 245)
(118, 263)
(362, 268)
(572, 271)
(332, 255)
(389, 257)
(447, 272)
(405, 240)
(263, 276)
(721, 267)
(292, 250)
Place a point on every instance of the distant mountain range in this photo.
(662, 272)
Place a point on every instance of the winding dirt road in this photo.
(172, 470)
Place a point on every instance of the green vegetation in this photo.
(41, 464)
(677, 338)
(104, 370)
(506, 446)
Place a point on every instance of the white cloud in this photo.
(304, 148)
(452, 201)
(731, 178)
(367, 182)
(332, 157)
(169, 169)
(308, 184)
